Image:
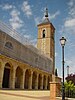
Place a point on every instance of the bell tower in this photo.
(46, 38)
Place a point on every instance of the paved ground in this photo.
(25, 95)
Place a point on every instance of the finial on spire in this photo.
(46, 13)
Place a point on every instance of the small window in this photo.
(44, 33)
(9, 45)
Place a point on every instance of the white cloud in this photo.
(72, 12)
(34, 42)
(14, 13)
(27, 36)
(26, 9)
(15, 21)
(30, 39)
(7, 6)
(37, 20)
(69, 23)
(71, 3)
(53, 16)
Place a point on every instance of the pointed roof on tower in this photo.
(46, 20)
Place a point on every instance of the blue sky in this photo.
(24, 15)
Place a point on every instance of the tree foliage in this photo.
(56, 73)
(69, 89)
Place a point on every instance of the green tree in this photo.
(56, 74)
(69, 89)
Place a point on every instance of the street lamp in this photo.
(67, 70)
(62, 41)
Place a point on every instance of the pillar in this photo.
(1, 74)
(54, 90)
(41, 87)
(36, 83)
(46, 83)
(12, 79)
(22, 79)
(30, 81)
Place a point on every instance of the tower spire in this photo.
(46, 13)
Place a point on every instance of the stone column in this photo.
(36, 83)
(54, 90)
(12, 79)
(41, 87)
(22, 79)
(1, 74)
(30, 81)
(46, 83)
(53, 78)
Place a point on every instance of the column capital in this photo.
(46, 76)
(2, 65)
(42, 75)
(24, 70)
(31, 72)
(14, 68)
(37, 74)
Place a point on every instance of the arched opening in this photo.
(6, 76)
(39, 81)
(43, 34)
(48, 86)
(27, 77)
(9, 45)
(34, 80)
(18, 77)
(44, 82)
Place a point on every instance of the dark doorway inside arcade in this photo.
(6, 78)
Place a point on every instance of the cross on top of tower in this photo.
(46, 19)
(46, 13)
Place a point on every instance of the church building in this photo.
(23, 66)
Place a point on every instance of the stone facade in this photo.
(46, 40)
(21, 67)
(25, 53)
(16, 74)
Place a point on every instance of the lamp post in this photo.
(67, 70)
(62, 41)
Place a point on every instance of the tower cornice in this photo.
(41, 24)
